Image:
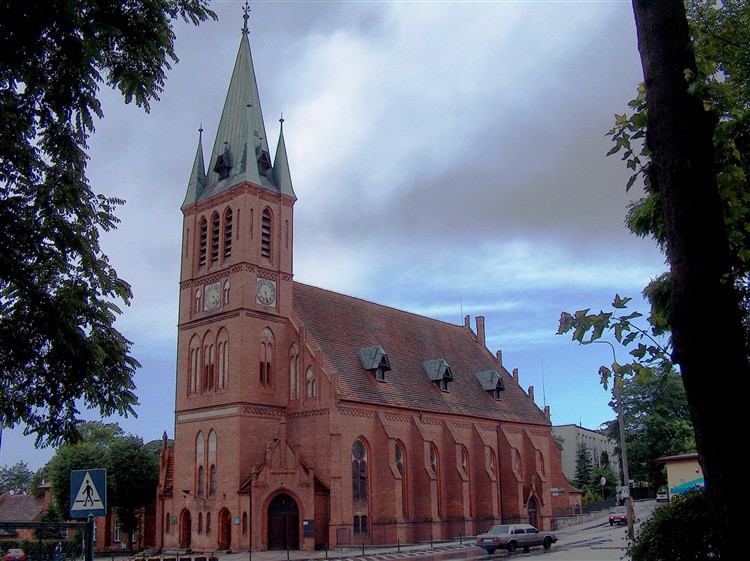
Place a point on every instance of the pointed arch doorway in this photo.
(225, 530)
(533, 513)
(283, 523)
(185, 529)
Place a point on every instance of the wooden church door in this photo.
(283, 523)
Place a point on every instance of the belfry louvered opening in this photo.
(214, 238)
(203, 242)
(228, 233)
(265, 239)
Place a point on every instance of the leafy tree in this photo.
(16, 478)
(132, 470)
(682, 530)
(595, 482)
(59, 294)
(584, 465)
(135, 474)
(657, 424)
(694, 113)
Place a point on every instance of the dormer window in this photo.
(375, 361)
(438, 371)
(491, 382)
(223, 163)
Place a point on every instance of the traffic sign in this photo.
(88, 493)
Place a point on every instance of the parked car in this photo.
(662, 497)
(618, 516)
(513, 536)
(15, 555)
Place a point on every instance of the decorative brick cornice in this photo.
(312, 413)
(266, 274)
(394, 417)
(461, 424)
(208, 319)
(287, 277)
(431, 422)
(264, 411)
(355, 413)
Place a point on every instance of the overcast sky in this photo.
(447, 157)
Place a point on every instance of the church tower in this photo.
(234, 312)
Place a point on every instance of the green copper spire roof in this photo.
(281, 176)
(240, 152)
(197, 182)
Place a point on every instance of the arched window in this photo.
(208, 522)
(465, 460)
(435, 467)
(401, 467)
(223, 359)
(214, 238)
(198, 300)
(209, 362)
(167, 523)
(493, 463)
(310, 385)
(294, 372)
(200, 522)
(212, 462)
(203, 229)
(228, 233)
(359, 486)
(244, 523)
(194, 366)
(266, 357)
(516, 460)
(265, 237)
(200, 453)
(201, 481)
(540, 462)
(227, 286)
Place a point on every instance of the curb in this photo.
(384, 556)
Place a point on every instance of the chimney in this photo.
(480, 330)
(515, 374)
(531, 392)
(499, 356)
(467, 321)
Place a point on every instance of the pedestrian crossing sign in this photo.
(88, 493)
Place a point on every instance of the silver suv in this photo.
(513, 536)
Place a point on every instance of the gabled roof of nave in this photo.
(241, 141)
(342, 325)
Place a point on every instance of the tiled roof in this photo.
(20, 508)
(342, 324)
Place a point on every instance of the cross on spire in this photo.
(245, 16)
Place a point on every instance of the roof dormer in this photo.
(491, 382)
(375, 361)
(438, 371)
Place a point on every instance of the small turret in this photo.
(197, 182)
(281, 176)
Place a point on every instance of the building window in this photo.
(208, 368)
(202, 242)
(294, 372)
(212, 462)
(228, 233)
(266, 357)
(516, 460)
(212, 482)
(359, 486)
(116, 532)
(310, 383)
(214, 238)
(227, 286)
(464, 460)
(540, 462)
(265, 238)
(435, 467)
(401, 467)
(194, 368)
(198, 300)
(200, 522)
(168, 523)
(208, 522)
(223, 359)
(244, 523)
(200, 452)
(493, 463)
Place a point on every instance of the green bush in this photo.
(682, 530)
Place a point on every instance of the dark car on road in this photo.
(618, 516)
(514, 536)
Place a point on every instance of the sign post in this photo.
(88, 493)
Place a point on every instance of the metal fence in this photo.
(50, 541)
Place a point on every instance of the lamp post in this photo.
(617, 387)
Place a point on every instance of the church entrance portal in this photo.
(283, 523)
(533, 518)
(185, 529)
(225, 530)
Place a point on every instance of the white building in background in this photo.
(597, 443)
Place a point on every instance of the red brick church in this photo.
(307, 418)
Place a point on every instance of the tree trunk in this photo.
(706, 325)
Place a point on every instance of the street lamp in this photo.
(617, 387)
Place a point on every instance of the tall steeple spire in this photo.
(240, 152)
(281, 176)
(197, 182)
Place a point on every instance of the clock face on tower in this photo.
(265, 292)
(212, 296)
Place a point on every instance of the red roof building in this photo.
(306, 418)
